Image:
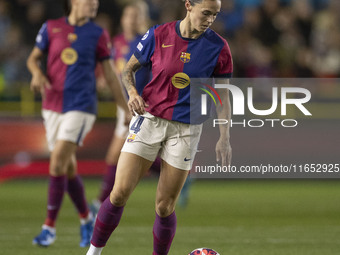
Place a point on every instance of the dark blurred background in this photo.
(268, 38)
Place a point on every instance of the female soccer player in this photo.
(73, 45)
(177, 51)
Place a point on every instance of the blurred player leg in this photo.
(75, 189)
(185, 193)
(60, 158)
(112, 155)
(111, 161)
(64, 133)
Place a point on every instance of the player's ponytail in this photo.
(67, 7)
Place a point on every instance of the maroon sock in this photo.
(108, 182)
(56, 190)
(164, 230)
(108, 218)
(75, 189)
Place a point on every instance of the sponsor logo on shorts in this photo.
(187, 159)
(131, 138)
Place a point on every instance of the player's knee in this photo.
(58, 164)
(165, 207)
(119, 197)
(111, 160)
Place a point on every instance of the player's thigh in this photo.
(61, 157)
(72, 167)
(113, 152)
(52, 122)
(121, 130)
(170, 184)
(119, 136)
(180, 148)
(130, 169)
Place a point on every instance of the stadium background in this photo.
(268, 38)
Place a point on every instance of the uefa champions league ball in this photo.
(203, 251)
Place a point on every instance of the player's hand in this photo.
(223, 151)
(39, 84)
(136, 104)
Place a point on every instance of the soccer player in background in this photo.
(73, 45)
(134, 22)
(181, 49)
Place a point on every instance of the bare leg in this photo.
(111, 162)
(130, 170)
(170, 183)
(59, 163)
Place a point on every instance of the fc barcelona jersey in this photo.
(174, 61)
(73, 52)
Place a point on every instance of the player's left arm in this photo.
(223, 71)
(223, 147)
(115, 85)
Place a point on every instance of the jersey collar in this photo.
(186, 39)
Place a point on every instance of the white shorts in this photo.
(121, 130)
(175, 142)
(71, 126)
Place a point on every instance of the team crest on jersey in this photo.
(185, 57)
(69, 56)
(72, 37)
(180, 80)
(131, 138)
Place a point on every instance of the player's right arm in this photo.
(39, 81)
(136, 103)
(142, 56)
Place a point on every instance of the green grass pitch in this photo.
(233, 217)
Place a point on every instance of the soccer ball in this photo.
(203, 251)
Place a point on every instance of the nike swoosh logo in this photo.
(56, 30)
(187, 159)
(51, 207)
(167, 46)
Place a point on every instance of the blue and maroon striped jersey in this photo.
(175, 60)
(73, 52)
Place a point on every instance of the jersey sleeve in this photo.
(104, 46)
(224, 66)
(145, 48)
(41, 40)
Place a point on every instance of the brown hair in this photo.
(193, 2)
(67, 7)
